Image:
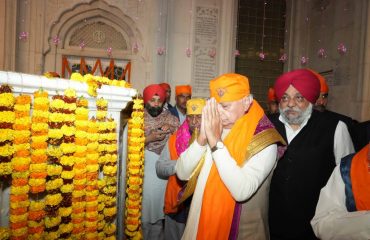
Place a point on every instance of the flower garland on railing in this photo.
(37, 180)
(92, 189)
(19, 189)
(67, 161)
(95, 82)
(135, 165)
(7, 118)
(79, 168)
(54, 169)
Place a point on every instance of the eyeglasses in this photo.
(296, 98)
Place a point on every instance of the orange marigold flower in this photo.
(20, 127)
(92, 209)
(91, 176)
(21, 114)
(40, 93)
(22, 153)
(18, 225)
(39, 158)
(38, 174)
(79, 187)
(81, 141)
(78, 210)
(39, 145)
(21, 140)
(77, 220)
(19, 237)
(17, 182)
(78, 230)
(79, 176)
(23, 99)
(41, 107)
(18, 198)
(36, 215)
(37, 189)
(91, 198)
(91, 229)
(18, 211)
(33, 230)
(21, 167)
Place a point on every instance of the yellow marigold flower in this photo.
(79, 182)
(19, 190)
(91, 214)
(110, 180)
(110, 170)
(55, 133)
(110, 200)
(56, 117)
(91, 235)
(101, 114)
(21, 134)
(37, 205)
(51, 235)
(36, 182)
(41, 101)
(78, 205)
(19, 232)
(6, 150)
(66, 228)
(66, 188)
(54, 184)
(35, 224)
(52, 221)
(21, 204)
(67, 160)
(6, 134)
(39, 126)
(23, 120)
(80, 149)
(70, 106)
(57, 104)
(54, 170)
(7, 100)
(39, 113)
(7, 116)
(5, 168)
(53, 199)
(110, 229)
(77, 77)
(81, 124)
(92, 193)
(92, 203)
(65, 211)
(70, 92)
(92, 145)
(68, 147)
(67, 174)
(38, 167)
(22, 108)
(109, 189)
(23, 175)
(68, 131)
(92, 168)
(80, 171)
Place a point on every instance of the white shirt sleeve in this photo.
(164, 166)
(243, 182)
(188, 160)
(343, 144)
(332, 220)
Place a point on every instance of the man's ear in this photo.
(247, 101)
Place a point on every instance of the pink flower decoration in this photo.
(188, 52)
(321, 53)
(23, 36)
(82, 45)
(161, 51)
(304, 60)
(283, 58)
(342, 48)
(135, 47)
(236, 53)
(212, 53)
(109, 51)
(262, 56)
(56, 40)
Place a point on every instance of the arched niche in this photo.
(118, 28)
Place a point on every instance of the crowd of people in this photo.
(222, 168)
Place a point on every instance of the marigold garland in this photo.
(134, 171)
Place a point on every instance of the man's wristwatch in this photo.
(219, 145)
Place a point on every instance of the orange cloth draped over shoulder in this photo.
(360, 178)
(218, 204)
(174, 184)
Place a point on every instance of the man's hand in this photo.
(202, 138)
(212, 122)
(156, 135)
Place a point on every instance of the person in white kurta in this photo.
(230, 102)
(332, 220)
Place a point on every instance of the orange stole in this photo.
(174, 185)
(218, 204)
(360, 178)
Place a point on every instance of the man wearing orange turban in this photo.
(316, 143)
(167, 89)
(272, 103)
(322, 100)
(183, 94)
(227, 164)
(159, 124)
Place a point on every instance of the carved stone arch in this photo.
(95, 11)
